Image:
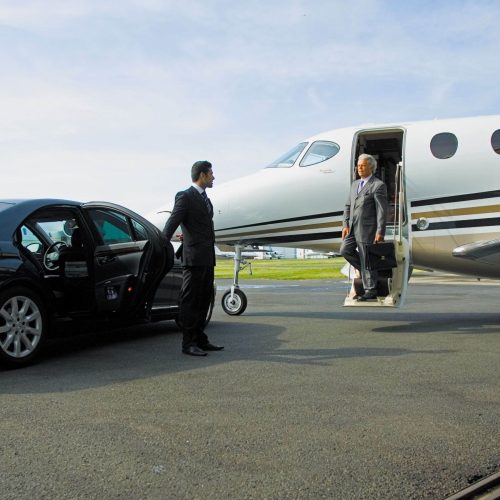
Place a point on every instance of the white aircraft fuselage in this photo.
(443, 184)
(448, 201)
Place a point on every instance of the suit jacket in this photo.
(190, 212)
(365, 213)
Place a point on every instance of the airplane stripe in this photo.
(294, 238)
(459, 224)
(281, 221)
(327, 225)
(457, 211)
(456, 198)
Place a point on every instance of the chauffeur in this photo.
(193, 211)
(364, 221)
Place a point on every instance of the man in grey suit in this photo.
(364, 221)
(193, 211)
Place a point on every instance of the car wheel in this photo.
(234, 304)
(23, 326)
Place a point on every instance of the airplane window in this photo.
(289, 158)
(444, 145)
(318, 152)
(495, 141)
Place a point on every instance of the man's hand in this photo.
(345, 232)
(378, 238)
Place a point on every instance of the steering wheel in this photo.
(51, 255)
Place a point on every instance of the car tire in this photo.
(23, 326)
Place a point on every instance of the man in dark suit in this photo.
(193, 211)
(364, 221)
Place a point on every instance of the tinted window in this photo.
(289, 158)
(495, 141)
(444, 145)
(140, 231)
(30, 240)
(318, 152)
(112, 227)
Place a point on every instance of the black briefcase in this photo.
(380, 256)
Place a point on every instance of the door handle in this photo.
(106, 259)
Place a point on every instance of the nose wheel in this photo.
(234, 302)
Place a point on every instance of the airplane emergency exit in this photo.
(443, 185)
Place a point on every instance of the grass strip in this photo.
(283, 269)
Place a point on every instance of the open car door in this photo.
(129, 260)
(387, 145)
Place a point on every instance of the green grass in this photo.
(283, 269)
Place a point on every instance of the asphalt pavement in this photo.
(308, 400)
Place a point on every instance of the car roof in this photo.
(13, 212)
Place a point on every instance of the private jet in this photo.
(443, 184)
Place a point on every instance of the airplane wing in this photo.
(487, 252)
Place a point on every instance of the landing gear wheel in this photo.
(235, 305)
(23, 326)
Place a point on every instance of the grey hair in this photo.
(371, 160)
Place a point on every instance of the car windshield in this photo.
(57, 229)
(289, 158)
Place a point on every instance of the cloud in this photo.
(104, 89)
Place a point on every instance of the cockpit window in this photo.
(289, 158)
(318, 152)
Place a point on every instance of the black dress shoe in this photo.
(211, 347)
(192, 350)
(367, 296)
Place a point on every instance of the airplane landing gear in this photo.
(234, 301)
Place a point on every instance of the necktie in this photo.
(207, 201)
(361, 184)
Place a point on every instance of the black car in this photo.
(71, 266)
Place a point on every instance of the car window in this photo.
(30, 241)
(111, 226)
(140, 231)
(49, 226)
(57, 228)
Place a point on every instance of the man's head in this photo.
(201, 174)
(367, 165)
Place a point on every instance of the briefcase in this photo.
(380, 256)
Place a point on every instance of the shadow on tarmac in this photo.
(96, 360)
(456, 323)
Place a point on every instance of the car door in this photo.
(58, 244)
(128, 260)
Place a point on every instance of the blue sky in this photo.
(114, 100)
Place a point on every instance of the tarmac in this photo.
(308, 400)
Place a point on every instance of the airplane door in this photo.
(388, 146)
(397, 232)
